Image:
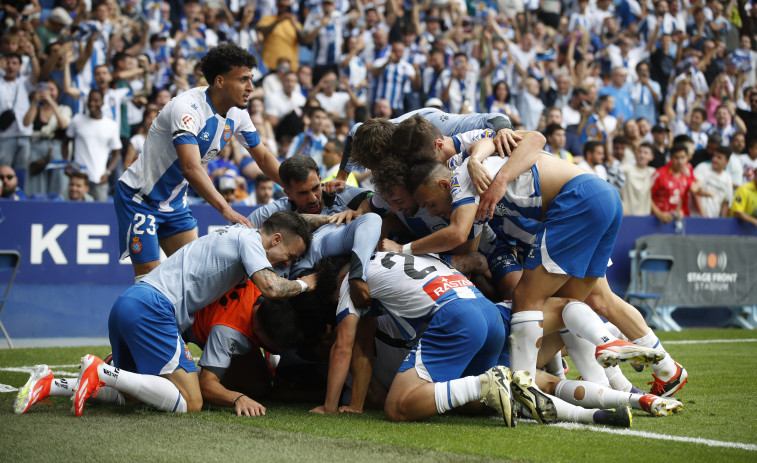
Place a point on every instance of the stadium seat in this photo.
(9, 260)
(649, 277)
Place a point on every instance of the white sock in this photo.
(139, 278)
(572, 413)
(580, 319)
(617, 379)
(109, 395)
(666, 368)
(554, 367)
(152, 390)
(63, 387)
(526, 331)
(451, 394)
(615, 331)
(590, 395)
(581, 352)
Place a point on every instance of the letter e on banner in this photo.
(85, 243)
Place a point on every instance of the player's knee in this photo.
(194, 404)
(393, 411)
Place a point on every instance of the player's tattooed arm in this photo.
(469, 264)
(315, 221)
(272, 285)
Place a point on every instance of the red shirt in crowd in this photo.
(670, 190)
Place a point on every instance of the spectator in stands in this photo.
(353, 68)
(460, 94)
(436, 76)
(324, 29)
(282, 35)
(279, 104)
(671, 186)
(14, 102)
(9, 179)
(614, 163)
(713, 143)
(382, 108)
(137, 141)
(273, 83)
(500, 102)
(637, 191)
(645, 94)
(750, 118)
(714, 178)
(555, 136)
(726, 125)
(744, 205)
(695, 127)
(305, 79)
(49, 122)
(53, 27)
(661, 140)
(262, 123)
(96, 140)
(312, 140)
(334, 102)
(621, 93)
(263, 194)
(594, 156)
(227, 186)
(749, 162)
(78, 187)
(332, 157)
(734, 168)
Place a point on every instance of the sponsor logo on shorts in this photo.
(136, 246)
(187, 353)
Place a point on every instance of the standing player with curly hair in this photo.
(150, 198)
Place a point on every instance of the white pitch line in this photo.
(711, 341)
(28, 370)
(650, 435)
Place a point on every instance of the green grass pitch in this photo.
(719, 405)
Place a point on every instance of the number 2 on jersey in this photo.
(409, 268)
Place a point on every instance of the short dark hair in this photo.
(278, 319)
(724, 150)
(327, 270)
(701, 111)
(413, 140)
(678, 147)
(552, 128)
(422, 173)
(296, 169)
(223, 58)
(683, 138)
(646, 144)
(371, 142)
(262, 178)
(620, 139)
(591, 145)
(287, 223)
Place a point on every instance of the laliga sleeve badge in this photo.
(136, 245)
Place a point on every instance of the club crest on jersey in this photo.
(136, 245)
(187, 353)
(226, 133)
(187, 121)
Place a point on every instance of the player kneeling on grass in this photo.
(152, 363)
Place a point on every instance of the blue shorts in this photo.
(465, 337)
(580, 228)
(143, 333)
(502, 260)
(141, 224)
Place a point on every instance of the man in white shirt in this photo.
(14, 102)
(594, 155)
(96, 138)
(713, 178)
(279, 104)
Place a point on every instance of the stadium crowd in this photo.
(488, 121)
(637, 77)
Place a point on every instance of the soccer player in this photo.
(375, 144)
(152, 363)
(150, 198)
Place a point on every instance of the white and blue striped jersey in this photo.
(356, 73)
(390, 84)
(327, 47)
(203, 270)
(187, 119)
(410, 289)
(518, 213)
(434, 82)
